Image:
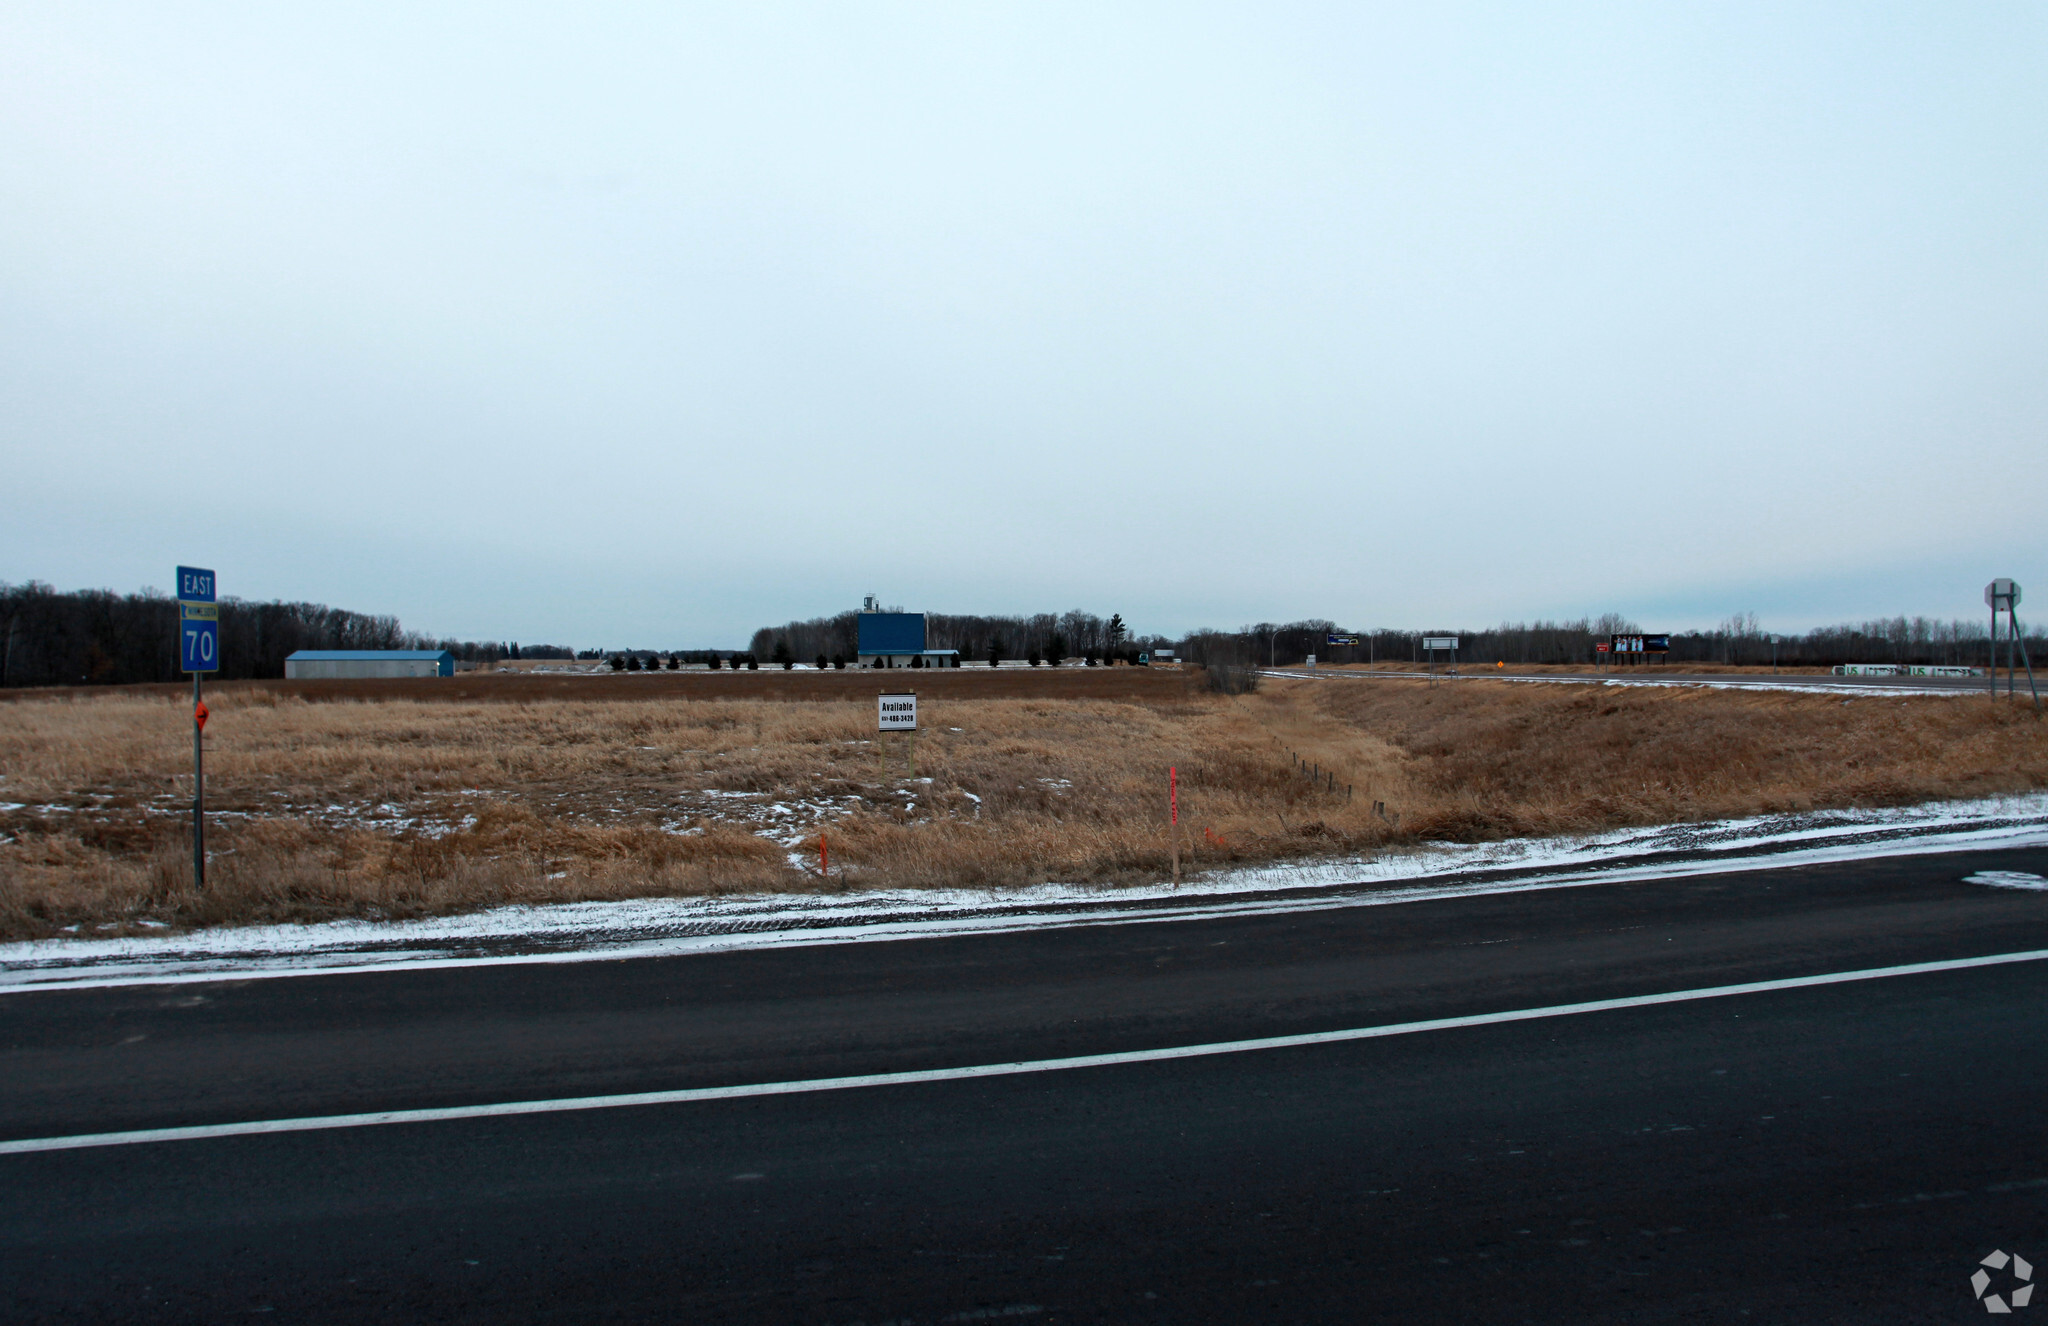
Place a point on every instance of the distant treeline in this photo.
(96, 636)
(1049, 635)
(1740, 639)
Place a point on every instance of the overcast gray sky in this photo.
(648, 326)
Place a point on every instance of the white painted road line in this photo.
(27, 1145)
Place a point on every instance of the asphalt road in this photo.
(1836, 1153)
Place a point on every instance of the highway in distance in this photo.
(1847, 1151)
(1659, 675)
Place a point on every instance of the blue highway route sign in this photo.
(198, 621)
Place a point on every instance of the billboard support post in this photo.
(2020, 638)
(1431, 644)
(2005, 594)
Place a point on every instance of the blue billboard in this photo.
(891, 633)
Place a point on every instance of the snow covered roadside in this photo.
(655, 927)
(1805, 686)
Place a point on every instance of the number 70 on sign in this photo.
(198, 638)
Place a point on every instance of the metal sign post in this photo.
(1173, 817)
(198, 654)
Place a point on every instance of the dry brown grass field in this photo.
(328, 801)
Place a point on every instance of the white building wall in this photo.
(347, 668)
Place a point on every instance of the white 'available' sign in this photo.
(898, 713)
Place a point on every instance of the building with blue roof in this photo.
(896, 640)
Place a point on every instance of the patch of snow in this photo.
(13, 805)
(2008, 879)
(659, 927)
(1730, 683)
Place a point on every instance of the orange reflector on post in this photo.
(200, 713)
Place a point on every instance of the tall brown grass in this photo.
(409, 807)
